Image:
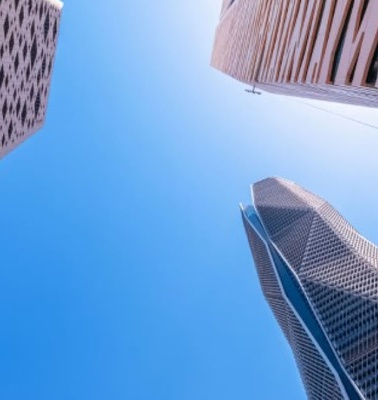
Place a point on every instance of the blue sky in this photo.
(125, 272)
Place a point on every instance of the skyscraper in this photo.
(28, 38)
(322, 49)
(320, 278)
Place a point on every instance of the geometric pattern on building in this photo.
(28, 39)
(319, 385)
(321, 49)
(320, 278)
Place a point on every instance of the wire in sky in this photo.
(328, 111)
(337, 114)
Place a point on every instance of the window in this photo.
(373, 69)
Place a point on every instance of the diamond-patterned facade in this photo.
(28, 39)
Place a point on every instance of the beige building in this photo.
(322, 49)
(28, 37)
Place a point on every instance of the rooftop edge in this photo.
(56, 3)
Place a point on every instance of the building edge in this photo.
(56, 3)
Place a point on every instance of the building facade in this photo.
(28, 38)
(321, 49)
(320, 278)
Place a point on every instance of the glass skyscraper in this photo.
(320, 278)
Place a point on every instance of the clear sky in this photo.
(125, 270)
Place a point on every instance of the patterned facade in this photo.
(322, 49)
(320, 278)
(28, 38)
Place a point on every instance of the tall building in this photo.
(321, 49)
(28, 38)
(320, 278)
